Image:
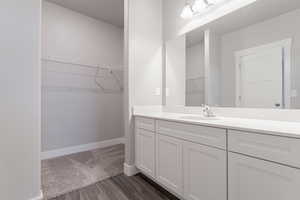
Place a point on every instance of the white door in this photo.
(169, 163)
(261, 79)
(205, 172)
(145, 151)
(254, 179)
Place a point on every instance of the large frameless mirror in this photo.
(248, 58)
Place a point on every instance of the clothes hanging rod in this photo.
(75, 74)
(78, 89)
(81, 65)
(98, 68)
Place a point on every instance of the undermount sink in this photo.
(199, 117)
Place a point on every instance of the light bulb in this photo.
(187, 12)
(199, 6)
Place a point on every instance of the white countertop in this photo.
(280, 128)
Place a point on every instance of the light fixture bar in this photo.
(197, 7)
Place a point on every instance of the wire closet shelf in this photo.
(109, 73)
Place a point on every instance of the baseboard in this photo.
(130, 170)
(80, 148)
(39, 197)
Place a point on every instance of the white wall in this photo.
(175, 71)
(276, 29)
(173, 23)
(195, 75)
(143, 72)
(146, 51)
(20, 99)
(73, 37)
(78, 117)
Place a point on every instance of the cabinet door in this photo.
(205, 172)
(254, 179)
(169, 163)
(145, 151)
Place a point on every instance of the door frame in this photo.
(286, 62)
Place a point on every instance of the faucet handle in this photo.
(207, 111)
(205, 107)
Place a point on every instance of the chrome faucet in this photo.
(207, 111)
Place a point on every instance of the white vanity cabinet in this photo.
(263, 167)
(199, 162)
(255, 179)
(189, 160)
(145, 146)
(169, 163)
(205, 172)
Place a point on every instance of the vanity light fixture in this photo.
(199, 6)
(187, 11)
(196, 7)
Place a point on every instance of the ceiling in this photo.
(110, 11)
(259, 11)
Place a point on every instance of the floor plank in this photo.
(120, 187)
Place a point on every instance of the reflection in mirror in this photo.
(257, 64)
(185, 74)
(245, 60)
(194, 65)
(192, 76)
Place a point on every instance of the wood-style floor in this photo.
(120, 187)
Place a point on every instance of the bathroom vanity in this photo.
(219, 159)
(236, 66)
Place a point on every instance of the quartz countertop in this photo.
(279, 128)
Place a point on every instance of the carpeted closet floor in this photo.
(68, 173)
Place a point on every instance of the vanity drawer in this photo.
(145, 123)
(198, 134)
(274, 148)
